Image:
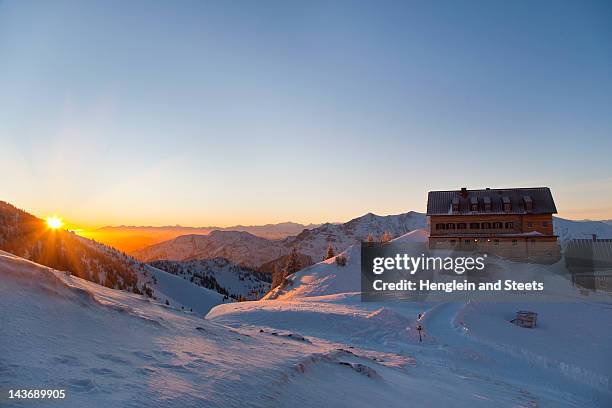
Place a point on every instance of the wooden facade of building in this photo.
(514, 222)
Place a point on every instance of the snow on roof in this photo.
(419, 235)
(540, 199)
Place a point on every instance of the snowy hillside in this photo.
(112, 348)
(109, 348)
(328, 278)
(475, 342)
(179, 293)
(28, 236)
(220, 275)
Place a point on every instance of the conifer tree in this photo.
(293, 263)
(277, 276)
(330, 251)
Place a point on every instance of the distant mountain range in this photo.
(133, 238)
(234, 254)
(239, 247)
(249, 250)
(569, 229)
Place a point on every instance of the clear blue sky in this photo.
(248, 112)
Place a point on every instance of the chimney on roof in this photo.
(488, 188)
(464, 192)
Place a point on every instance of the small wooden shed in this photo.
(525, 318)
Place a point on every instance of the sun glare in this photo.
(54, 222)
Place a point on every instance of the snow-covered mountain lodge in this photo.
(516, 220)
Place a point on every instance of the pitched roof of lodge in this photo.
(441, 202)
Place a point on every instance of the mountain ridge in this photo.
(247, 249)
(130, 238)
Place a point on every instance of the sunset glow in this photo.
(54, 222)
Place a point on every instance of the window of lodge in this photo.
(474, 225)
(487, 203)
(473, 204)
(507, 204)
(455, 205)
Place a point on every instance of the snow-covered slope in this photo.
(323, 278)
(328, 278)
(25, 235)
(581, 352)
(180, 293)
(474, 342)
(28, 236)
(112, 348)
(109, 348)
(220, 275)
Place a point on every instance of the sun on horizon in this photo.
(54, 222)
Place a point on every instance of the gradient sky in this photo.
(218, 113)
